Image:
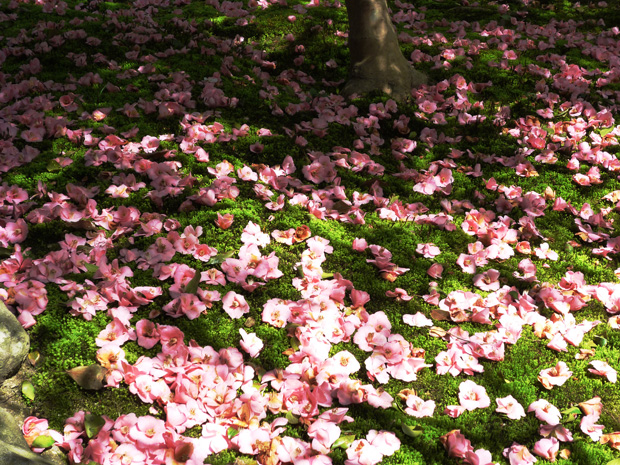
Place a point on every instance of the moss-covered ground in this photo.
(157, 67)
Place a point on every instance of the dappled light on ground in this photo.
(220, 259)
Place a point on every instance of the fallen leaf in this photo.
(600, 341)
(183, 452)
(438, 332)
(43, 442)
(584, 353)
(343, 441)
(93, 424)
(606, 131)
(220, 257)
(28, 390)
(192, 285)
(440, 315)
(412, 431)
(88, 377)
(342, 207)
(292, 419)
(34, 357)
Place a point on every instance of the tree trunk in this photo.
(376, 60)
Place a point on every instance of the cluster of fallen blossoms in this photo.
(221, 392)
(198, 386)
(552, 431)
(229, 400)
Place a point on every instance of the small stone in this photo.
(14, 343)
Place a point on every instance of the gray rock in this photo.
(13, 412)
(14, 343)
(13, 447)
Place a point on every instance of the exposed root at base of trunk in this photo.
(398, 86)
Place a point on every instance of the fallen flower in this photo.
(588, 426)
(519, 455)
(225, 221)
(418, 320)
(250, 343)
(473, 396)
(456, 444)
(592, 406)
(545, 411)
(547, 448)
(603, 369)
(235, 305)
(555, 376)
(511, 407)
(613, 439)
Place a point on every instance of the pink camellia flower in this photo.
(115, 333)
(473, 396)
(359, 299)
(545, 252)
(235, 305)
(603, 369)
(545, 411)
(557, 431)
(361, 452)
(454, 411)
(250, 343)
(346, 362)
(519, 455)
(435, 271)
(148, 432)
(359, 245)
(524, 247)
(67, 102)
(149, 144)
(456, 444)
(399, 294)
(588, 426)
(292, 450)
(171, 338)
(127, 454)
(429, 250)
(386, 441)
(214, 437)
(323, 433)
(213, 277)
(418, 320)
(511, 407)
(555, 376)
(467, 263)
(592, 406)
(224, 222)
(203, 252)
(479, 457)
(510, 55)
(34, 427)
(246, 174)
(547, 448)
(253, 235)
(487, 281)
(416, 407)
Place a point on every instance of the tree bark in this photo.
(376, 60)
